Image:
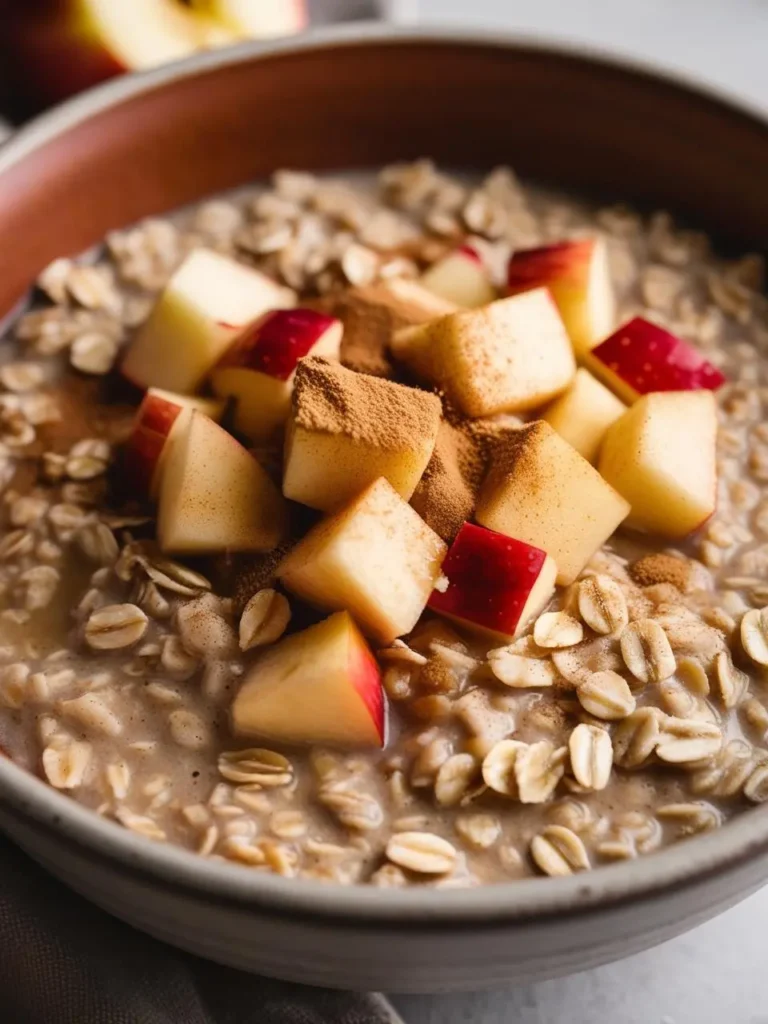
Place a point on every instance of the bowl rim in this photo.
(33, 804)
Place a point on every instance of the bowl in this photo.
(354, 98)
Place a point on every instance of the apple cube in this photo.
(460, 277)
(583, 413)
(257, 370)
(642, 357)
(200, 311)
(214, 496)
(496, 584)
(375, 557)
(159, 416)
(661, 457)
(322, 685)
(511, 355)
(541, 491)
(348, 429)
(578, 278)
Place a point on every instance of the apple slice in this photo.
(348, 429)
(578, 278)
(256, 19)
(511, 355)
(257, 370)
(214, 496)
(460, 277)
(661, 457)
(205, 304)
(58, 47)
(541, 491)
(375, 557)
(322, 685)
(159, 416)
(642, 357)
(496, 584)
(583, 413)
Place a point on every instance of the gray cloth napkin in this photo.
(63, 961)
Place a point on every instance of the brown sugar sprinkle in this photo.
(368, 327)
(256, 572)
(328, 397)
(662, 568)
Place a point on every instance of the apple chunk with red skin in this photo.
(375, 557)
(258, 369)
(540, 490)
(159, 416)
(199, 313)
(214, 495)
(509, 356)
(642, 357)
(578, 278)
(322, 685)
(496, 584)
(661, 456)
(461, 278)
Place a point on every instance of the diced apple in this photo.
(642, 357)
(160, 415)
(578, 278)
(509, 356)
(541, 491)
(460, 277)
(256, 19)
(257, 370)
(496, 584)
(347, 429)
(583, 413)
(199, 313)
(214, 496)
(322, 685)
(375, 557)
(661, 457)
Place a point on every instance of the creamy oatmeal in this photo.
(198, 644)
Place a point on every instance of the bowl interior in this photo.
(129, 151)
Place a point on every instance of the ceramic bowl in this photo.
(146, 144)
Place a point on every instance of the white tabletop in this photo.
(717, 973)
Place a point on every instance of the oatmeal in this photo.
(462, 606)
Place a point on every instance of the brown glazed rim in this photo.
(36, 806)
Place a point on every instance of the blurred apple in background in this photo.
(50, 49)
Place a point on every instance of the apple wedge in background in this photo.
(496, 585)
(578, 278)
(509, 356)
(642, 357)
(661, 456)
(50, 49)
(461, 278)
(199, 313)
(322, 685)
(160, 415)
(376, 558)
(257, 369)
(583, 413)
(214, 495)
(541, 491)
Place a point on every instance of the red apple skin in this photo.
(47, 53)
(648, 358)
(364, 671)
(530, 267)
(275, 343)
(490, 577)
(154, 420)
(471, 253)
